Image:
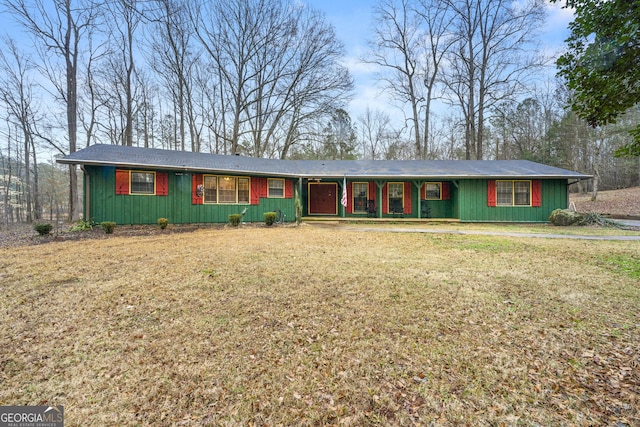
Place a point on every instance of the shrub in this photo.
(43, 229)
(269, 218)
(235, 219)
(163, 222)
(82, 225)
(565, 217)
(108, 226)
(593, 218)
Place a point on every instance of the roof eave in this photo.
(183, 168)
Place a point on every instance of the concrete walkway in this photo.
(629, 222)
(388, 229)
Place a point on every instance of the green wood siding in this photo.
(177, 207)
(467, 202)
(472, 203)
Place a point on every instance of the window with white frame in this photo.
(275, 187)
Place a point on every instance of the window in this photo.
(143, 182)
(243, 190)
(433, 191)
(513, 193)
(396, 192)
(225, 189)
(275, 188)
(211, 189)
(360, 197)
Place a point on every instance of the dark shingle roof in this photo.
(152, 158)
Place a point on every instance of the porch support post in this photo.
(299, 200)
(379, 185)
(419, 183)
(343, 209)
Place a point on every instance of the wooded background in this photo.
(266, 78)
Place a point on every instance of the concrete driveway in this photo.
(391, 229)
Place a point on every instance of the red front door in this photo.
(323, 198)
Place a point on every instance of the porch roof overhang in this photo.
(152, 158)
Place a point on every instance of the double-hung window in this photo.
(433, 191)
(143, 182)
(360, 197)
(275, 187)
(396, 196)
(513, 193)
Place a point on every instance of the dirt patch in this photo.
(623, 203)
(25, 235)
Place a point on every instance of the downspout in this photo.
(419, 184)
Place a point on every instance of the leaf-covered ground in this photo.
(317, 326)
(618, 203)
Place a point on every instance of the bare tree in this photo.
(436, 20)
(374, 127)
(492, 56)
(16, 91)
(173, 58)
(6, 178)
(126, 18)
(397, 46)
(276, 66)
(58, 28)
(410, 40)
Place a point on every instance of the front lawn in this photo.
(319, 326)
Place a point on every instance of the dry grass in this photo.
(313, 326)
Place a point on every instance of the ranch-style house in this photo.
(132, 185)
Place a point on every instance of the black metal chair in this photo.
(372, 211)
(425, 210)
(397, 208)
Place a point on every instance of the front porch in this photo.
(365, 220)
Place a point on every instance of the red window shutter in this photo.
(255, 191)
(408, 205)
(349, 207)
(288, 189)
(122, 181)
(162, 184)
(536, 193)
(385, 199)
(258, 189)
(446, 190)
(491, 192)
(197, 190)
(373, 190)
(423, 191)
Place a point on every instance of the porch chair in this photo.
(397, 209)
(425, 211)
(372, 211)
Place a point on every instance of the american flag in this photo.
(343, 201)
